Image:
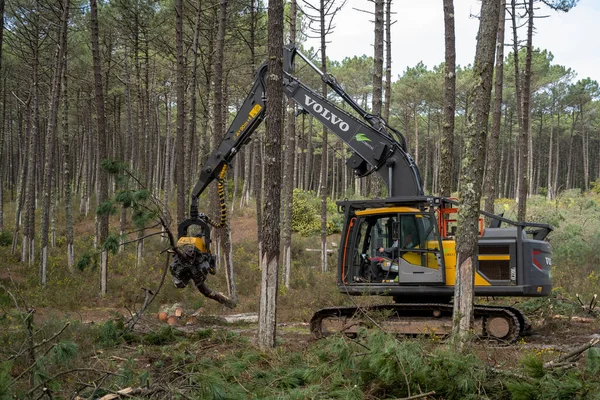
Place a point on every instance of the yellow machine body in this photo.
(198, 242)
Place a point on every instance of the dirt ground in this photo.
(548, 339)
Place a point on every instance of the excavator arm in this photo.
(376, 147)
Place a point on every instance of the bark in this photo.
(324, 167)
(223, 236)
(388, 63)
(191, 128)
(378, 80)
(50, 140)
(269, 286)
(3, 119)
(101, 145)
(289, 167)
(492, 171)
(472, 170)
(21, 190)
(524, 155)
(180, 140)
(28, 253)
(447, 144)
(66, 142)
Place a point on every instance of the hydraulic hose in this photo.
(222, 201)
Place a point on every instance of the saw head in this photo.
(193, 259)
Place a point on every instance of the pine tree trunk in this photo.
(288, 173)
(267, 323)
(22, 188)
(377, 183)
(492, 172)
(472, 171)
(101, 148)
(50, 140)
(388, 62)
(447, 144)
(324, 167)
(3, 120)
(180, 140)
(67, 172)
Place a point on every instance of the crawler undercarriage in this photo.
(500, 324)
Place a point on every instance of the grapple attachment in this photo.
(193, 260)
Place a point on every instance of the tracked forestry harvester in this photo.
(402, 246)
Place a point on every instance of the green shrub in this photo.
(5, 239)
(306, 214)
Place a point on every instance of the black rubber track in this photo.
(514, 316)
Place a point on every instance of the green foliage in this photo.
(5, 239)
(306, 214)
(5, 379)
(113, 166)
(164, 336)
(595, 187)
(592, 366)
(84, 261)
(111, 243)
(106, 208)
(533, 366)
(63, 352)
(540, 383)
(110, 333)
(125, 197)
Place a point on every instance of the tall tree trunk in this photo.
(3, 119)
(270, 258)
(376, 181)
(191, 128)
(101, 146)
(223, 236)
(447, 145)
(526, 121)
(66, 142)
(388, 62)
(179, 142)
(472, 170)
(28, 253)
(22, 188)
(323, 183)
(288, 173)
(492, 160)
(51, 139)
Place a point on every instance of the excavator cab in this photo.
(393, 246)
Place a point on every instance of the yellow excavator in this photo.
(401, 246)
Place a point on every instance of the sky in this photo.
(418, 34)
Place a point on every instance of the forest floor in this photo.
(154, 352)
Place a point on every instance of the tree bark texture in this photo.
(272, 160)
(101, 143)
(324, 167)
(472, 169)
(180, 139)
(376, 186)
(491, 190)
(51, 139)
(289, 167)
(447, 145)
(526, 121)
(388, 62)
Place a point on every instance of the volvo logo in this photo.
(325, 113)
